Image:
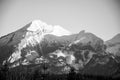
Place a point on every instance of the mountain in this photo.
(38, 43)
(115, 40)
(113, 47)
(29, 36)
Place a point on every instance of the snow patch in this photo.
(70, 58)
(25, 62)
(15, 56)
(59, 31)
(14, 65)
(77, 41)
(59, 53)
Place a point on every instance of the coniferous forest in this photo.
(27, 73)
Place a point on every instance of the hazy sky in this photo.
(101, 17)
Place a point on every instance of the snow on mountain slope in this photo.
(59, 31)
(113, 46)
(68, 55)
(39, 43)
(35, 34)
(39, 25)
(56, 30)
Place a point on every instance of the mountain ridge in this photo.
(37, 45)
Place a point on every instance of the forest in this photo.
(26, 73)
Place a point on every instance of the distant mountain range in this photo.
(38, 43)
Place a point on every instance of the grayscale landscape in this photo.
(59, 40)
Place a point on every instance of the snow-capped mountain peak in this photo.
(38, 25)
(35, 35)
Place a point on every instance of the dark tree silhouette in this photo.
(71, 75)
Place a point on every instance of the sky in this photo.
(100, 17)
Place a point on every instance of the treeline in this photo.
(36, 74)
